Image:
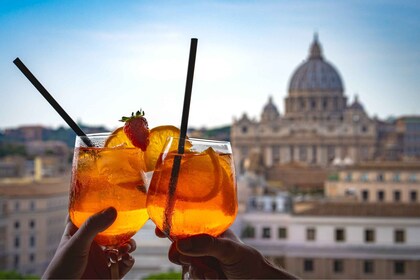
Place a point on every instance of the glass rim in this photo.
(201, 139)
(95, 135)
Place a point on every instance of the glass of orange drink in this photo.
(204, 199)
(106, 175)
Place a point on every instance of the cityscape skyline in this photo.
(117, 57)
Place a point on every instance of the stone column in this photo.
(268, 156)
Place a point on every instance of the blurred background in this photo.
(319, 100)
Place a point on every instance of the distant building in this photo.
(319, 129)
(13, 167)
(318, 124)
(26, 133)
(409, 129)
(338, 240)
(32, 220)
(393, 181)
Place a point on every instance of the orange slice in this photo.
(200, 177)
(158, 137)
(118, 139)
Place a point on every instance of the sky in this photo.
(103, 59)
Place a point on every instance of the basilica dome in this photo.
(315, 74)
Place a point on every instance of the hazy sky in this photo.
(104, 59)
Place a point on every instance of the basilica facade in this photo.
(318, 127)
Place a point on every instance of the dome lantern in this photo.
(315, 50)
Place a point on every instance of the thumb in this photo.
(224, 250)
(94, 225)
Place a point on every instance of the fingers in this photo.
(224, 250)
(128, 247)
(174, 256)
(126, 263)
(95, 224)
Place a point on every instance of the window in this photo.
(365, 195)
(368, 267)
(310, 234)
(32, 224)
(396, 177)
(340, 235)
(412, 178)
(266, 232)
(17, 241)
(338, 266)
(32, 205)
(381, 196)
(17, 206)
(302, 153)
(348, 177)
(32, 257)
(308, 265)
(399, 236)
(397, 196)
(17, 224)
(413, 196)
(364, 128)
(399, 267)
(364, 177)
(248, 232)
(369, 235)
(32, 241)
(282, 233)
(16, 261)
(244, 129)
(380, 177)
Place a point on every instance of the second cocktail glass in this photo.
(205, 200)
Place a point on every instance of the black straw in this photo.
(183, 133)
(79, 132)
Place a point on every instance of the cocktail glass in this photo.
(204, 200)
(104, 177)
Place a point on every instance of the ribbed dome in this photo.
(315, 74)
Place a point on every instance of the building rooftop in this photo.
(31, 188)
(386, 165)
(357, 209)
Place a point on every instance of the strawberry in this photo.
(137, 129)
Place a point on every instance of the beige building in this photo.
(317, 127)
(32, 219)
(338, 240)
(395, 181)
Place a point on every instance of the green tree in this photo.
(15, 275)
(166, 275)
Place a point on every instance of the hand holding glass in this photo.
(104, 177)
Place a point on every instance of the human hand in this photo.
(225, 257)
(78, 256)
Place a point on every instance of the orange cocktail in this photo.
(109, 176)
(205, 198)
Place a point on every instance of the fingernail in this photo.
(184, 244)
(110, 213)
